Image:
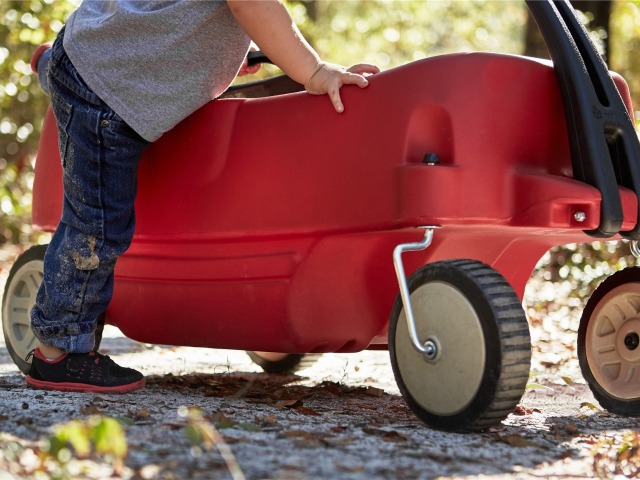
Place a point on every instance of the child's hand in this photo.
(329, 78)
(245, 69)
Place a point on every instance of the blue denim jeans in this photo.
(43, 71)
(100, 155)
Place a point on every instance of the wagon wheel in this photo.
(19, 298)
(609, 343)
(474, 317)
(291, 363)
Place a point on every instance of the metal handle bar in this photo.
(429, 349)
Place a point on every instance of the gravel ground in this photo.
(341, 418)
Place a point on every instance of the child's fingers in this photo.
(345, 78)
(253, 68)
(245, 69)
(354, 79)
(330, 78)
(334, 95)
(362, 68)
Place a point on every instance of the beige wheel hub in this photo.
(21, 297)
(447, 384)
(612, 342)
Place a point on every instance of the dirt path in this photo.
(342, 418)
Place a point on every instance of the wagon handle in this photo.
(605, 150)
(257, 57)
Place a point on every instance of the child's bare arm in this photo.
(269, 24)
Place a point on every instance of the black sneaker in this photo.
(82, 372)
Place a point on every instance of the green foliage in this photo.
(201, 434)
(392, 33)
(617, 456)
(23, 26)
(585, 265)
(203, 437)
(625, 41)
(98, 435)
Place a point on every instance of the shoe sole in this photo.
(83, 387)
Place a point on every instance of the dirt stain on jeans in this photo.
(90, 262)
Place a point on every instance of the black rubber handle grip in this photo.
(605, 151)
(257, 57)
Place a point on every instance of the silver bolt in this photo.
(580, 216)
(430, 350)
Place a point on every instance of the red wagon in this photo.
(257, 232)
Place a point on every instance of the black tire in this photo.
(609, 343)
(484, 348)
(18, 299)
(292, 363)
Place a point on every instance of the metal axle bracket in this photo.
(430, 347)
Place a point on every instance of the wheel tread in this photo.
(514, 344)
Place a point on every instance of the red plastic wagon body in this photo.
(269, 224)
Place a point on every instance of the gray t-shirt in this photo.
(155, 62)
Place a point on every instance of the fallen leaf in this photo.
(173, 425)
(270, 419)
(590, 406)
(522, 410)
(140, 414)
(518, 441)
(533, 386)
(567, 380)
(220, 420)
(350, 468)
(307, 411)
(374, 392)
(249, 427)
(565, 454)
(333, 388)
(339, 442)
(91, 409)
(230, 440)
(223, 425)
(288, 403)
(298, 434)
(571, 428)
(394, 437)
(219, 417)
(387, 436)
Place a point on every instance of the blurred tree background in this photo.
(385, 32)
(23, 26)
